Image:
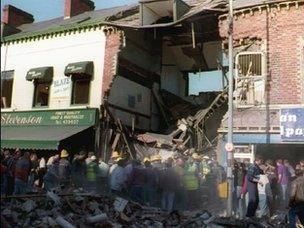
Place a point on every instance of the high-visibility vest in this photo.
(91, 174)
(190, 178)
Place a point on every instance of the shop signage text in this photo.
(292, 124)
(58, 117)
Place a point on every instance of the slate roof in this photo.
(61, 24)
(122, 16)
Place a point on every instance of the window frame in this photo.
(75, 78)
(12, 89)
(253, 78)
(36, 82)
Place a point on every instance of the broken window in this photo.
(250, 78)
(41, 93)
(80, 90)
(7, 79)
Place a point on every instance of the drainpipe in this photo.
(229, 146)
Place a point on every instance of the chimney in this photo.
(75, 7)
(15, 17)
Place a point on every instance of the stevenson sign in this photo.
(292, 124)
(54, 117)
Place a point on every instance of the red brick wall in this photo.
(282, 30)
(15, 17)
(75, 7)
(113, 44)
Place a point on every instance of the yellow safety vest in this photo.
(190, 178)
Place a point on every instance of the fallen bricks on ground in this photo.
(81, 209)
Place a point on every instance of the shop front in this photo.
(72, 129)
(280, 137)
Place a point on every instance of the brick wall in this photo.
(15, 17)
(113, 44)
(75, 7)
(281, 30)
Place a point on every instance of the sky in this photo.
(47, 9)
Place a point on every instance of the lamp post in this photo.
(229, 145)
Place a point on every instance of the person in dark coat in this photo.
(64, 169)
(253, 179)
(169, 182)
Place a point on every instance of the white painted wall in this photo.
(171, 75)
(57, 52)
(119, 93)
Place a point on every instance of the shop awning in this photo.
(85, 68)
(37, 137)
(42, 74)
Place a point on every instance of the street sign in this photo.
(229, 147)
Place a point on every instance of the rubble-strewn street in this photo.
(80, 209)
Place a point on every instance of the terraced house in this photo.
(269, 79)
(153, 74)
(133, 63)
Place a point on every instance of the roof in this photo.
(239, 4)
(122, 16)
(60, 24)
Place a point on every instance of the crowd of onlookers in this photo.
(178, 182)
(175, 183)
(264, 187)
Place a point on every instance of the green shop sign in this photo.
(54, 117)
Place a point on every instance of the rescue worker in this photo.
(169, 182)
(64, 169)
(136, 182)
(156, 162)
(92, 170)
(181, 193)
(118, 178)
(150, 183)
(191, 182)
(79, 169)
(102, 176)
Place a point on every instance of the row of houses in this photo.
(101, 79)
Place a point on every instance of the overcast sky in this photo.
(48, 9)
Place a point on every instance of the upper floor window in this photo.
(80, 90)
(41, 94)
(81, 73)
(42, 78)
(250, 78)
(7, 79)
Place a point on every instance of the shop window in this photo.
(7, 79)
(250, 79)
(80, 90)
(41, 93)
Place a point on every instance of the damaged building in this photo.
(113, 75)
(150, 77)
(269, 80)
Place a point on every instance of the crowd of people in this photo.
(176, 183)
(265, 187)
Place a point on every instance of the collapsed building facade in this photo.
(153, 75)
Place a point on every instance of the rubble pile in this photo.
(88, 210)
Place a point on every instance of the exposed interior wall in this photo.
(137, 66)
(171, 75)
(129, 100)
